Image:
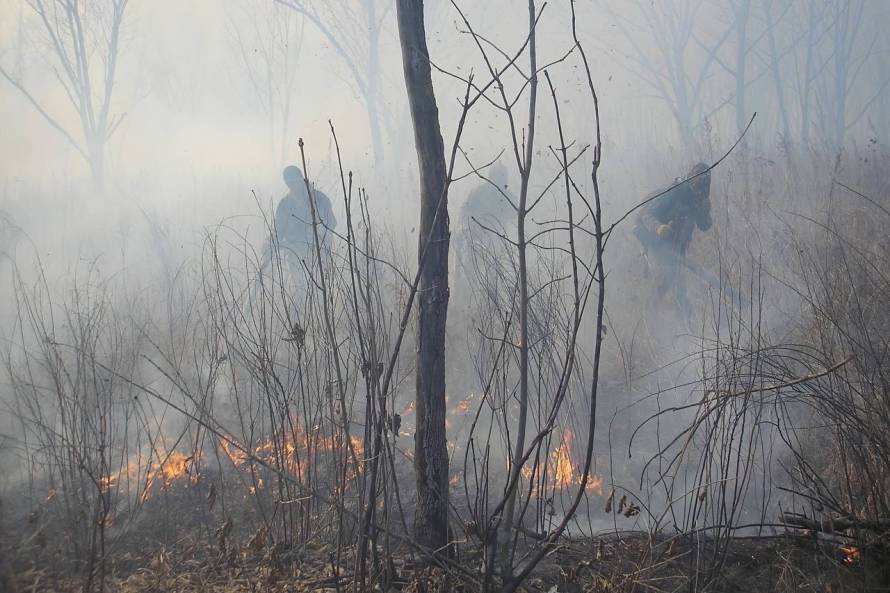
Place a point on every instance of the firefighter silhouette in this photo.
(665, 227)
(292, 233)
(486, 210)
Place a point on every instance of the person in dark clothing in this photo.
(487, 203)
(665, 227)
(292, 233)
(485, 206)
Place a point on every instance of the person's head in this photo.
(498, 174)
(702, 177)
(700, 185)
(293, 177)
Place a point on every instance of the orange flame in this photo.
(358, 445)
(594, 485)
(562, 470)
(168, 469)
(260, 484)
(175, 466)
(296, 450)
(463, 406)
(235, 456)
(106, 482)
(852, 554)
(527, 472)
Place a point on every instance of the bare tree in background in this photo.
(845, 58)
(740, 27)
(670, 69)
(882, 71)
(773, 16)
(818, 53)
(353, 29)
(269, 41)
(430, 452)
(831, 49)
(82, 39)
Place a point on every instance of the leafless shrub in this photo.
(786, 427)
(82, 426)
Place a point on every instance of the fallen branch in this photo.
(834, 524)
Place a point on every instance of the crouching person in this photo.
(665, 228)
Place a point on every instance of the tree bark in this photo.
(776, 68)
(372, 93)
(507, 523)
(430, 453)
(96, 153)
(742, 14)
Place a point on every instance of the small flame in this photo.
(260, 484)
(463, 406)
(852, 554)
(563, 468)
(145, 473)
(594, 485)
(527, 472)
(174, 467)
(235, 456)
(358, 445)
(106, 482)
(295, 450)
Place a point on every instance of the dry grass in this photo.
(612, 563)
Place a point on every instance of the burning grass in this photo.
(208, 515)
(561, 472)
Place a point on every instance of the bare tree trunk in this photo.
(97, 164)
(371, 99)
(75, 35)
(430, 453)
(516, 463)
(742, 13)
(776, 68)
(806, 87)
(372, 96)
